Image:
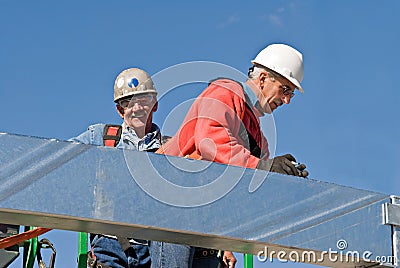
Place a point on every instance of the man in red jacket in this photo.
(223, 123)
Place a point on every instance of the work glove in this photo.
(285, 164)
(302, 170)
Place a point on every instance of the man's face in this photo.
(137, 110)
(275, 92)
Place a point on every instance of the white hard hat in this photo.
(133, 81)
(284, 60)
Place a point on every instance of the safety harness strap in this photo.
(124, 243)
(111, 135)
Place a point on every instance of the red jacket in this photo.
(221, 127)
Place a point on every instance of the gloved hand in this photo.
(302, 170)
(283, 164)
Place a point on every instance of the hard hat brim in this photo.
(150, 91)
(291, 79)
(295, 83)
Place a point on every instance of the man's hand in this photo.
(302, 170)
(229, 259)
(284, 164)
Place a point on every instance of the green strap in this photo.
(248, 261)
(30, 247)
(82, 249)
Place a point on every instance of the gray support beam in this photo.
(396, 230)
(7, 257)
(64, 185)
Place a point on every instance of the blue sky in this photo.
(58, 62)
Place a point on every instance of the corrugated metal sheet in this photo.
(65, 185)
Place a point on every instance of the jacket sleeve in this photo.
(93, 135)
(218, 126)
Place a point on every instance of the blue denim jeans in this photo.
(108, 251)
(167, 255)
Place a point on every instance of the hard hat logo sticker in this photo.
(120, 82)
(133, 83)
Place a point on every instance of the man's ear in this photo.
(155, 107)
(120, 110)
(262, 77)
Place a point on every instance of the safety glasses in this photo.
(287, 91)
(143, 100)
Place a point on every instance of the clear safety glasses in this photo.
(287, 91)
(143, 100)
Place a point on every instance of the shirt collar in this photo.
(154, 129)
(130, 140)
(252, 97)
